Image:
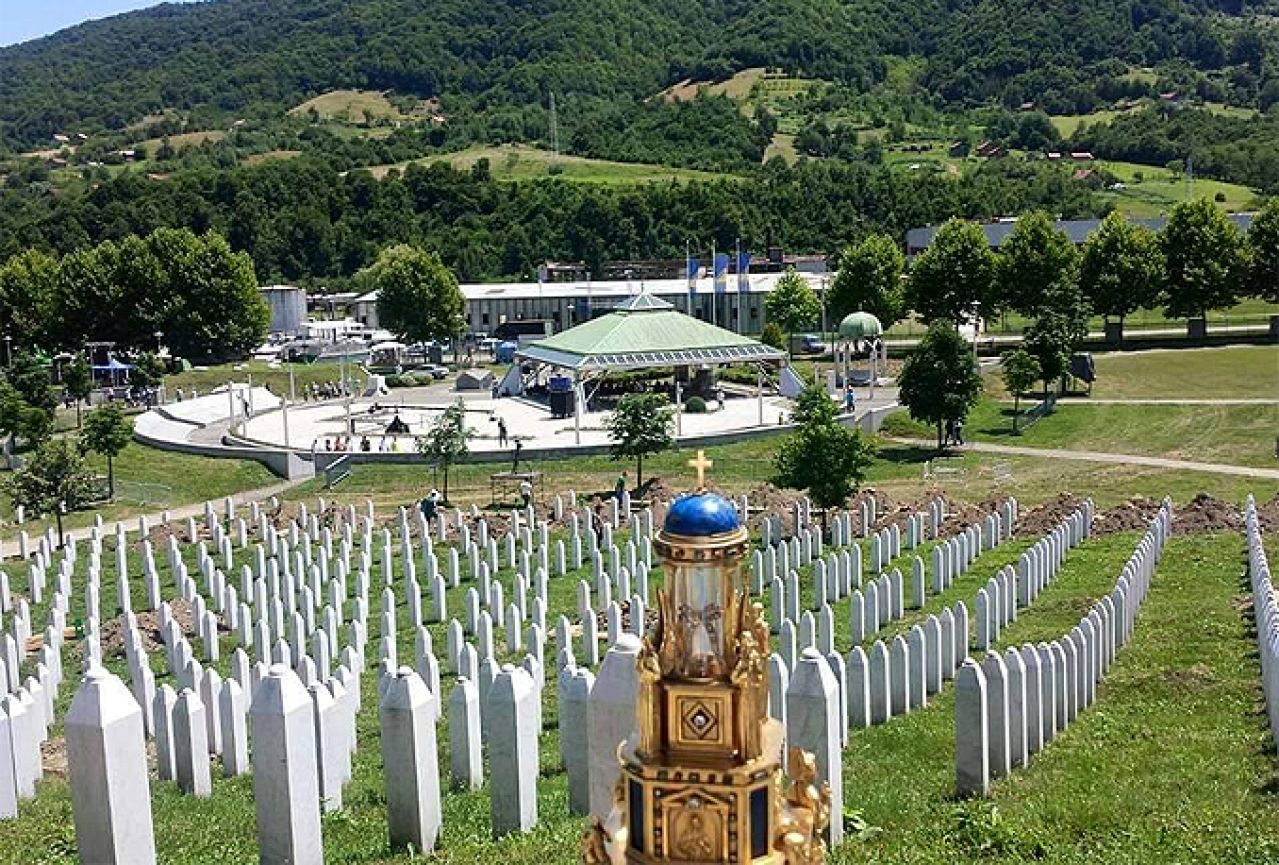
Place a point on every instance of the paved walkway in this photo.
(9, 549)
(1099, 457)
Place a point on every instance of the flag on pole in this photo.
(743, 271)
(693, 266)
(721, 272)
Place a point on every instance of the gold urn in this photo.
(701, 780)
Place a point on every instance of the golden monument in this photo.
(702, 778)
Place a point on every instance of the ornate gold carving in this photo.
(807, 812)
(670, 637)
(751, 678)
(594, 848)
(649, 705)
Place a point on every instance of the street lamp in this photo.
(8, 350)
(159, 335)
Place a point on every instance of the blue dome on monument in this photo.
(699, 515)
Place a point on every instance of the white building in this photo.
(565, 304)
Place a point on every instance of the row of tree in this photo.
(192, 291)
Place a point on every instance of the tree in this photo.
(939, 380)
(1205, 259)
(823, 457)
(107, 432)
(148, 369)
(53, 479)
(447, 442)
(418, 297)
(870, 280)
(1036, 262)
(1122, 267)
(792, 304)
(772, 335)
(1050, 341)
(640, 426)
(30, 377)
(1263, 246)
(77, 378)
(952, 280)
(28, 282)
(1021, 371)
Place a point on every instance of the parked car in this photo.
(436, 372)
(806, 343)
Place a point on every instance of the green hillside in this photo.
(232, 59)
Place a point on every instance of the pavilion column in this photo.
(679, 406)
(759, 391)
(578, 397)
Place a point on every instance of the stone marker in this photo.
(610, 719)
(465, 761)
(191, 745)
(107, 768)
(513, 753)
(409, 755)
(813, 724)
(575, 693)
(972, 764)
(235, 734)
(286, 784)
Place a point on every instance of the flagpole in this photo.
(740, 297)
(714, 286)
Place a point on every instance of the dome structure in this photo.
(860, 325)
(701, 514)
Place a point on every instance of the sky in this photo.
(21, 20)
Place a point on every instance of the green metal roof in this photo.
(646, 331)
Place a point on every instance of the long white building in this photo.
(565, 304)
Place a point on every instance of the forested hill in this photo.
(242, 58)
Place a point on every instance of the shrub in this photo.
(695, 405)
(772, 335)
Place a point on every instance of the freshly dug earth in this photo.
(112, 634)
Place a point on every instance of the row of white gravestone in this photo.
(1265, 605)
(1011, 705)
(996, 604)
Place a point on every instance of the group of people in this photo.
(954, 432)
(322, 390)
(133, 397)
(344, 444)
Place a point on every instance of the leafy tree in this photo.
(939, 380)
(1050, 341)
(772, 335)
(1205, 258)
(28, 282)
(1020, 371)
(1035, 263)
(870, 279)
(418, 297)
(447, 442)
(1122, 267)
(30, 376)
(640, 426)
(953, 279)
(792, 304)
(107, 432)
(53, 478)
(1263, 246)
(148, 369)
(823, 457)
(77, 378)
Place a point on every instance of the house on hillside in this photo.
(991, 150)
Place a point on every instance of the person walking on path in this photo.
(501, 432)
(619, 488)
(515, 456)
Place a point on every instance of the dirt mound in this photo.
(1040, 520)
(1206, 514)
(112, 630)
(1132, 515)
(1268, 514)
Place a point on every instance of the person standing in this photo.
(959, 431)
(501, 432)
(526, 492)
(515, 457)
(619, 488)
(719, 397)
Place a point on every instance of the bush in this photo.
(402, 380)
(772, 335)
(695, 405)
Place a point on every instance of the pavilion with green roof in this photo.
(643, 332)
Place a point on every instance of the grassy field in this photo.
(275, 377)
(180, 141)
(1158, 190)
(1238, 372)
(1237, 435)
(349, 106)
(522, 162)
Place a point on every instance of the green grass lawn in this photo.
(1237, 372)
(521, 162)
(1158, 190)
(273, 376)
(1238, 435)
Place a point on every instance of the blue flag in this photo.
(721, 272)
(693, 267)
(743, 271)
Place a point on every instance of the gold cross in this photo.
(700, 464)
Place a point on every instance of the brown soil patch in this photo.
(1194, 678)
(112, 632)
(53, 755)
(1268, 514)
(1040, 520)
(1206, 514)
(1132, 515)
